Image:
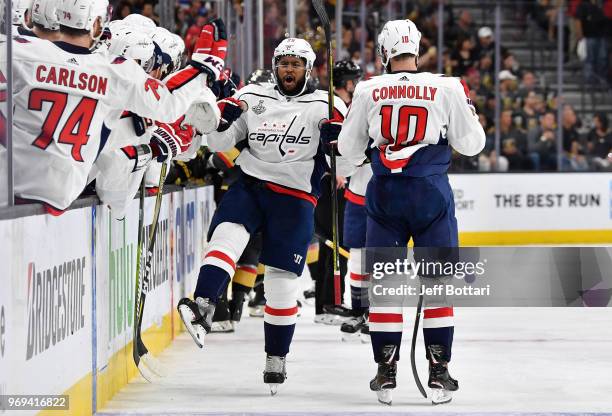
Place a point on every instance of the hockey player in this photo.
(346, 76)
(410, 118)
(44, 19)
(63, 92)
(22, 17)
(275, 194)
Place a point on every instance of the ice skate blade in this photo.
(385, 396)
(348, 337)
(197, 333)
(441, 396)
(256, 312)
(273, 388)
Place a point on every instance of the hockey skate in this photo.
(275, 372)
(333, 315)
(197, 317)
(384, 381)
(441, 383)
(351, 329)
(221, 322)
(235, 308)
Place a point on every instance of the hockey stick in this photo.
(320, 9)
(415, 332)
(343, 252)
(145, 363)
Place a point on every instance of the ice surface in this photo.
(507, 360)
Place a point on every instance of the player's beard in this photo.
(294, 87)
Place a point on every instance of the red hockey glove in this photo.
(210, 49)
(169, 140)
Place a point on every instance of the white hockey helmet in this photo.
(20, 7)
(44, 13)
(82, 14)
(398, 37)
(294, 47)
(131, 43)
(168, 46)
(178, 51)
(143, 22)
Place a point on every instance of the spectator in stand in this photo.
(463, 56)
(571, 138)
(507, 89)
(478, 93)
(527, 86)
(485, 66)
(193, 33)
(486, 44)
(463, 29)
(599, 143)
(509, 63)
(591, 25)
(542, 143)
(123, 9)
(529, 114)
(147, 11)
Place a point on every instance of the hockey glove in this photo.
(330, 130)
(169, 140)
(230, 109)
(225, 86)
(210, 49)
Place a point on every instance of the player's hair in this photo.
(402, 58)
(71, 31)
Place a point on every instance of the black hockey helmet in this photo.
(344, 71)
(260, 76)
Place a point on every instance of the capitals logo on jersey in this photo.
(281, 132)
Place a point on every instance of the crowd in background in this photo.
(528, 123)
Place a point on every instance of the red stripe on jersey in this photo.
(385, 318)
(355, 276)
(181, 78)
(292, 192)
(130, 151)
(438, 313)
(248, 269)
(338, 115)
(466, 89)
(354, 198)
(223, 257)
(392, 164)
(281, 312)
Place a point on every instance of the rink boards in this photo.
(66, 306)
(54, 338)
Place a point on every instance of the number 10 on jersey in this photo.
(402, 137)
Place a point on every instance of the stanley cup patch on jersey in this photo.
(259, 108)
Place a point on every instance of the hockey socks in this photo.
(225, 247)
(280, 312)
(385, 330)
(438, 328)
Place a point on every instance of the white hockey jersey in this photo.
(283, 137)
(62, 95)
(405, 122)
